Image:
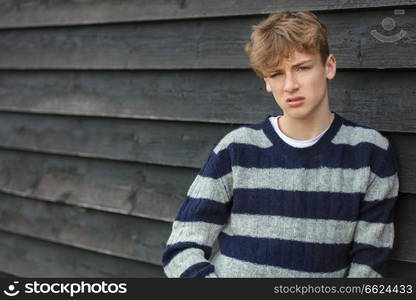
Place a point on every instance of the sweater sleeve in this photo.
(200, 220)
(374, 233)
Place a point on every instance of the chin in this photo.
(299, 114)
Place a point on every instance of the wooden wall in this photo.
(109, 108)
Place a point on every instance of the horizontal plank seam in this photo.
(202, 17)
(81, 205)
(81, 155)
(78, 246)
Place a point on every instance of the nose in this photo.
(291, 83)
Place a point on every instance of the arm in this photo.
(374, 234)
(200, 220)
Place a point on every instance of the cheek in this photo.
(316, 83)
(276, 89)
(278, 93)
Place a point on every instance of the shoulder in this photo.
(352, 133)
(382, 156)
(245, 135)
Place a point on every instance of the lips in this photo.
(294, 99)
(295, 102)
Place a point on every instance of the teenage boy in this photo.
(304, 194)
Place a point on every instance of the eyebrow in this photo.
(297, 64)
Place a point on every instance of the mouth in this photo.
(294, 99)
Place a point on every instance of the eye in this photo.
(304, 68)
(276, 74)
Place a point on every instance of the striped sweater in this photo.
(275, 210)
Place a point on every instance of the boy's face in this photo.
(302, 75)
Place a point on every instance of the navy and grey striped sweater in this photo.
(280, 211)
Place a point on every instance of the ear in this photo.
(268, 88)
(331, 67)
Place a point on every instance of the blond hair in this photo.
(280, 34)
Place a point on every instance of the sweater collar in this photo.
(299, 152)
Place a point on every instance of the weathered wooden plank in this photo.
(131, 237)
(399, 269)
(405, 230)
(157, 142)
(5, 275)
(160, 142)
(19, 13)
(404, 146)
(148, 191)
(377, 99)
(194, 44)
(114, 234)
(29, 257)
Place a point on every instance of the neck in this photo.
(307, 128)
